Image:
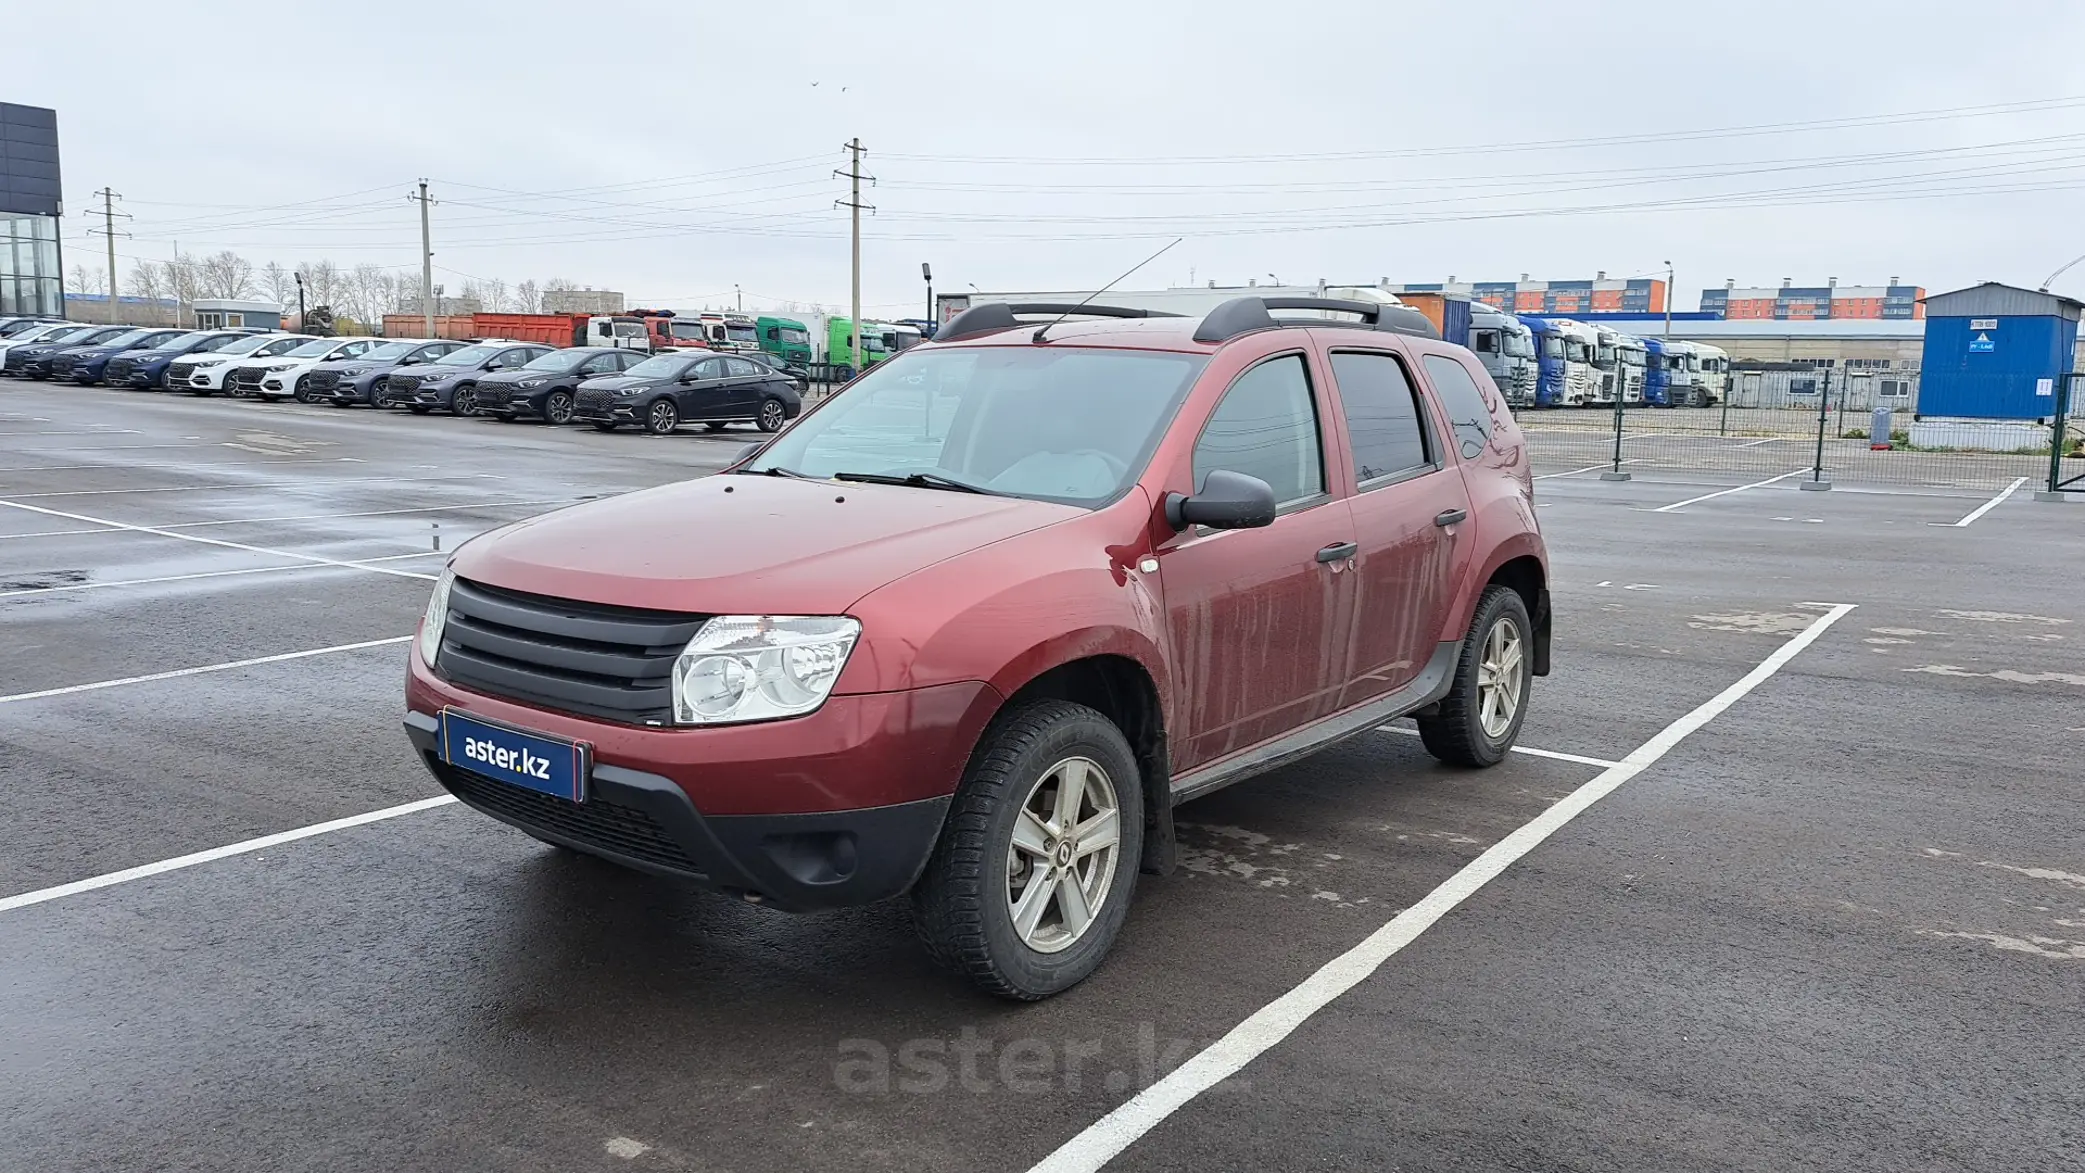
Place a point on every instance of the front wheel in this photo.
(1478, 720)
(662, 417)
(464, 401)
(302, 393)
(772, 415)
(557, 409)
(1033, 874)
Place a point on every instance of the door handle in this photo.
(1338, 552)
(1448, 517)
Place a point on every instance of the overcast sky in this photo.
(675, 151)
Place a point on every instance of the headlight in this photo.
(531, 382)
(436, 618)
(351, 372)
(210, 362)
(281, 366)
(758, 667)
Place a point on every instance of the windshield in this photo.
(1632, 358)
(664, 366)
(14, 329)
(1576, 351)
(1552, 347)
(795, 336)
(688, 332)
(389, 351)
(745, 334)
(246, 343)
(1069, 425)
(1520, 344)
(469, 356)
(559, 362)
(179, 341)
(312, 349)
(126, 338)
(1603, 356)
(60, 334)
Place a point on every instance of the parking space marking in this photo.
(1986, 507)
(1588, 468)
(227, 666)
(123, 582)
(1553, 755)
(144, 871)
(97, 432)
(1726, 492)
(166, 533)
(69, 533)
(168, 467)
(1102, 1140)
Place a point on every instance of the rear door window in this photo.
(742, 368)
(1267, 427)
(1465, 404)
(1384, 424)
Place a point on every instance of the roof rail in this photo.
(994, 316)
(1243, 315)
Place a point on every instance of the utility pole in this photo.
(926, 270)
(108, 229)
(426, 260)
(853, 203)
(1668, 299)
(300, 300)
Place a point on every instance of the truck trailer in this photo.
(619, 331)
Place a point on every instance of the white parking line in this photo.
(1726, 492)
(123, 582)
(68, 533)
(170, 468)
(96, 432)
(1551, 754)
(1986, 507)
(41, 895)
(1102, 1140)
(166, 533)
(177, 673)
(1588, 468)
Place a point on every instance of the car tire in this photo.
(1477, 722)
(298, 391)
(661, 417)
(978, 885)
(772, 415)
(464, 400)
(558, 407)
(379, 393)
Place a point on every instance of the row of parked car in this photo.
(607, 388)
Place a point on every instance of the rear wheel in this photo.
(1034, 871)
(661, 417)
(772, 415)
(1480, 717)
(464, 401)
(557, 408)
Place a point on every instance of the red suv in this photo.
(971, 628)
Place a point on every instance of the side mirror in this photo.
(1228, 500)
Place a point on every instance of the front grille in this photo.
(585, 658)
(321, 382)
(119, 369)
(401, 384)
(495, 395)
(597, 822)
(246, 378)
(180, 371)
(61, 366)
(594, 399)
(15, 361)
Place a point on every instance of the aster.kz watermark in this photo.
(975, 1064)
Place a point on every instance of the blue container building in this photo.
(1996, 352)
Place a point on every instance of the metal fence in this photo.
(1813, 425)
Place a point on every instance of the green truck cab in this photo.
(786, 339)
(839, 350)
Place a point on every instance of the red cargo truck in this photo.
(620, 331)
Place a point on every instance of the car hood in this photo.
(735, 544)
(93, 352)
(435, 372)
(507, 378)
(616, 383)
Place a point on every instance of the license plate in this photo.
(547, 765)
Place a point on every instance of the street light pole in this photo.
(927, 271)
(1668, 299)
(300, 301)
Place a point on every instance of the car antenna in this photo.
(1046, 326)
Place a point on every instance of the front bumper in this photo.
(619, 412)
(836, 808)
(440, 395)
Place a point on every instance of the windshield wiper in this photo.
(775, 470)
(917, 480)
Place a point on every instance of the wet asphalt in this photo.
(1840, 927)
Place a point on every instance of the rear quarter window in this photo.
(1468, 408)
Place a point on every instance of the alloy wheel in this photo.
(1500, 678)
(1060, 866)
(464, 401)
(662, 418)
(558, 408)
(771, 416)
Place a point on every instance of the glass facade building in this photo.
(31, 208)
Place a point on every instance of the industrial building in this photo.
(582, 301)
(31, 209)
(1794, 303)
(1598, 295)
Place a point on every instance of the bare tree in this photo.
(179, 278)
(560, 285)
(323, 284)
(495, 294)
(224, 274)
(148, 283)
(527, 298)
(278, 284)
(371, 293)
